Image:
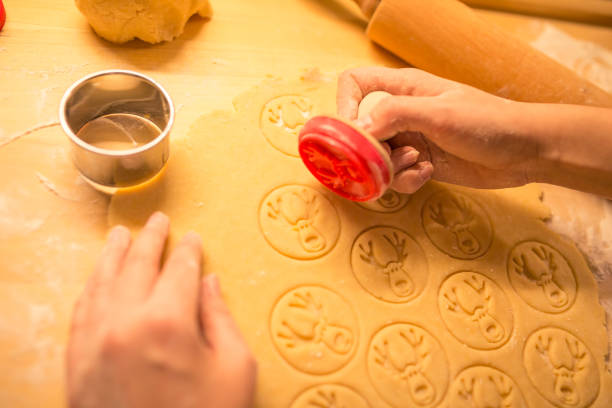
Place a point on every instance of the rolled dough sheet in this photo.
(52, 228)
(449, 297)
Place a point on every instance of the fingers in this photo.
(220, 329)
(89, 310)
(398, 114)
(177, 288)
(404, 157)
(99, 286)
(141, 265)
(386, 146)
(409, 175)
(355, 83)
(412, 178)
(348, 96)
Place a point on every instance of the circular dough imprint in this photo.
(389, 264)
(314, 329)
(330, 396)
(407, 366)
(281, 120)
(542, 277)
(475, 310)
(391, 201)
(482, 386)
(299, 222)
(457, 225)
(561, 368)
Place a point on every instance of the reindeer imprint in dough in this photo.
(542, 277)
(389, 264)
(475, 310)
(330, 396)
(457, 225)
(281, 120)
(561, 368)
(314, 329)
(407, 366)
(299, 222)
(485, 387)
(391, 201)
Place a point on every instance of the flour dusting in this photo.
(16, 136)
(49, 185)
(594, 63)
(589, 60)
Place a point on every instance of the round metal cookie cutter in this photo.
(117, 92)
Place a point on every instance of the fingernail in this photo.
(406, 151)
(193, 236)
(426, 172)
(412, 154)
(158, 217)
(212, 285)
(117, 233)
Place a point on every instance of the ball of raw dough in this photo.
(150, 20)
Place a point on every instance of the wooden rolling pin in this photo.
(584, 11)
(447, 38)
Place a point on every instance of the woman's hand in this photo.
(144, 336)
(441, 129)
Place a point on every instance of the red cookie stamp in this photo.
(346, 160)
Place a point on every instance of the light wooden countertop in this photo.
(46, 46)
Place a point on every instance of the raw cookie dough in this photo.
(51, 223)
(152, 21)
(452, 297)
(299, 222)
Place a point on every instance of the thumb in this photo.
(218, 325)
(396, 114)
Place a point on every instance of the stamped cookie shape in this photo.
(281, 120)
(329, 396)
(314, 329)
(542, 277)
(475, 310)
(391, 201)
(485, 387)
(561, 368)
(407, 366)
(457, 225)
(389, 264)
(299, 222)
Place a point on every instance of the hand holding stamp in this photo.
(347, 159)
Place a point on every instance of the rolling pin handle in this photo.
(368, 7)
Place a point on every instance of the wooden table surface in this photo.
(46, 46)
